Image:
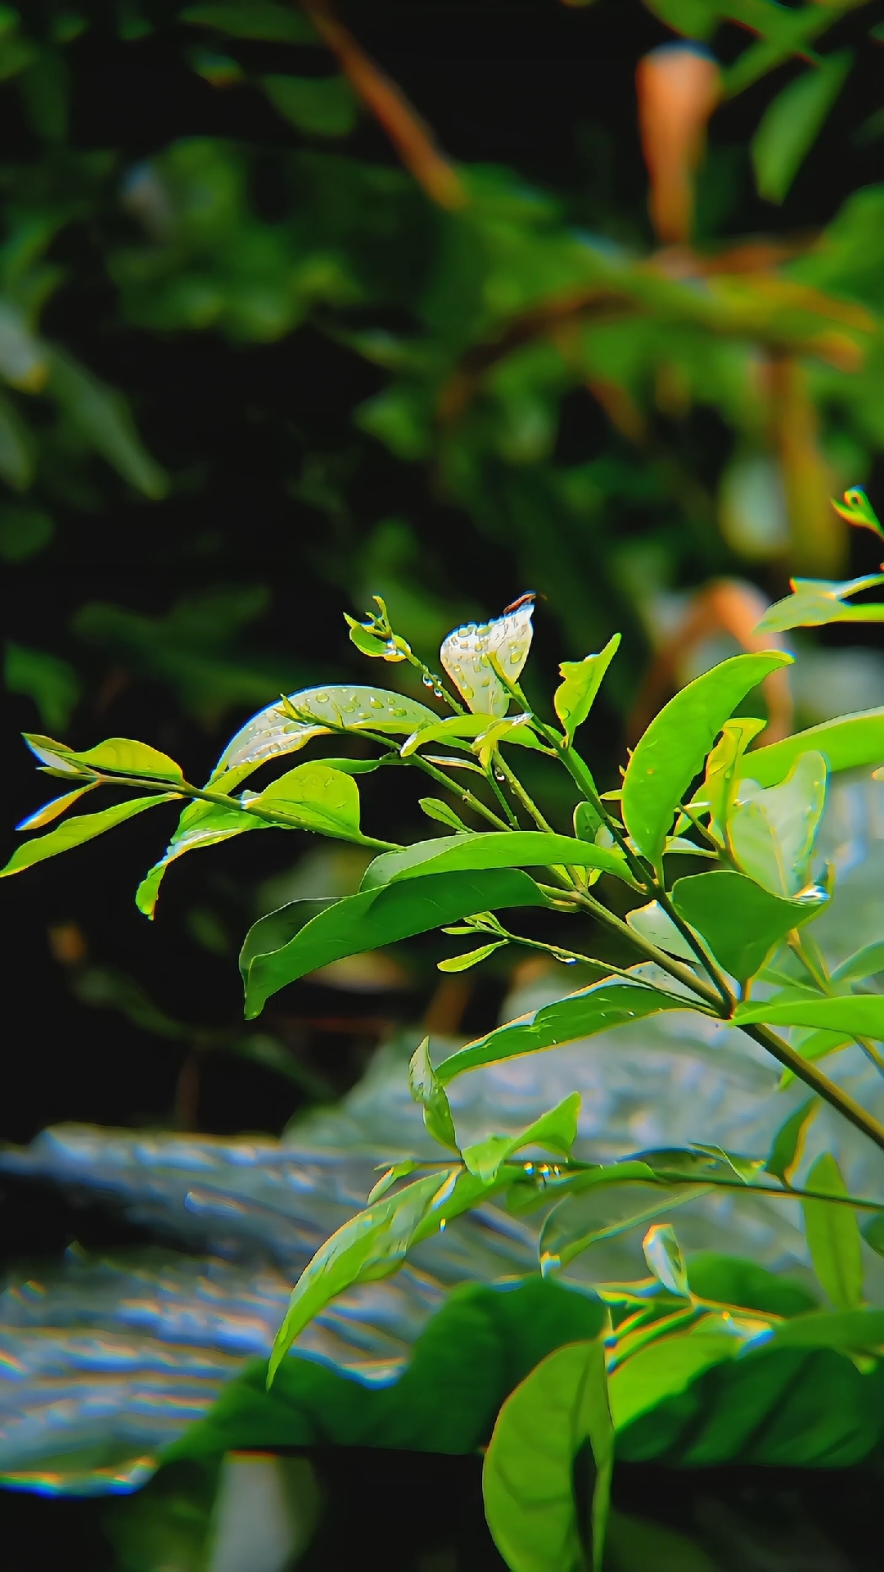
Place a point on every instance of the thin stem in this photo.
(490, 776)
(699, 949)
(568, 957)
(820, 976)
(519, 791)
(805, 1070)
(676, 969)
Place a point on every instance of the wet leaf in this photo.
(317, 796)
(274, 731)
(772, 830)
(555, 1131)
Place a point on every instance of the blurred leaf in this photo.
(671, 752)
(24, 361)
(594, 1009)
(663, 1255)
(377, 917)
(816, 602)
(258, 19)
(833, 1238)
(52, 683)
(741, 922)
(787, 1148)
(45, 88)
(668, 1365)
(16, 466)
(607, 1202)
(582, 679)
(77, 830)
(23, 532)
(494, 849)
(791, 124)
(847, 743)
(101, 416)
(867, 962)
(847, 1329)
(541, 1430)
(772, 831)
(322, 106)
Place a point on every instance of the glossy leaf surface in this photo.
(527, 1474)
(741, 922)
(671, 752)
(496, 849)
(317, 797)
(594, 1009)
(73, 832)
(575, 696)
(274, 732)
(855, 1015)
(377, 917)
(848, 743)
(772, 830)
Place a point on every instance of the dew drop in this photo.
(467, 692)
(321, 698)
(567, 960)
(499, 775)
(442, 1222)
(398, 713)
(427, 682)
(376, 704)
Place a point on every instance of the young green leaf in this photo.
(857, 1016)
(663, 1255)
(259, 19)
(587, 822)
(377, 917)
(435, 808)
(816, 602)
(494, 849)
(865, 963)
(75, 831)
(201, 824)
(651, 922)
(317, 797)
(671, 752)
(833, 1237)
(741, 922)
(275, 731)
(54, 809)
(772, 830)
(470, 958)
(595, 1009)
(722, 769)
(667, 1366)
(427, 1089)
(787, 1147)
(574, 698)
(790, 125)
(555, 1131)
(850, 742)
(467, 653)
(122, 756)
(542, 1431)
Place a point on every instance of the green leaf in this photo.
(377, 917)
(787, 1147)
(672, 750)
(595, 1009)
(663, 1255)
(741, 922)
(865, 963)
(651, 922)
(665, 1367)
(790, 125)
(317, 796)
(258, 19)
(75, 831)
(574, 698)
(833, 1237)
(555, 1131)
(606, 1202)
(847, 1329)
(353, 766)
(17, 469)
(427, 1089)
(541, 1431)
(122, 756)
(731, 1281)
(436, 808)
(52, 683)
(201, 824)
(816, 602)
(54, 809)
(858, 1016)
(494, 849)
(102, 419)
(470, 958)
(848, 743)
(772, 830)
(321, 106)
(587, 821)
(23, 531)
(722, 769)
(273, 731)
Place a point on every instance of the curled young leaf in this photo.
(468, 652)
(427, 1089)
(574, 698)
(663, 1255)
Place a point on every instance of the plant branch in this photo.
(805, 1070)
